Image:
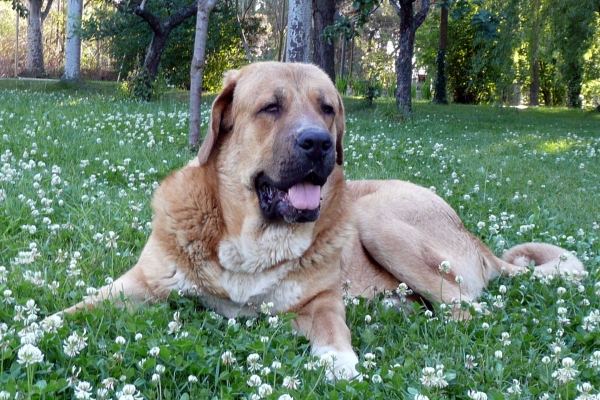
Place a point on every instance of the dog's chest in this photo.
(256, 268)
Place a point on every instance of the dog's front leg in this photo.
(323, 321)
(131, 286)
(152, 278)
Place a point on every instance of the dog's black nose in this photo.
(315, 144)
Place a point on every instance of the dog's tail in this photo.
(547, 259)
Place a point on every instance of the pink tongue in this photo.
(305, 196)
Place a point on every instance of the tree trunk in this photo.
(35, 48)
(73, 42)
(440, 95)
(409, 23)
(281, 30)
(324, 51)
(299, 30)
(534, 88)
(240, 22)
(161, 30)
(155, 52)
(197, 69)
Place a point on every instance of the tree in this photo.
(439, 96)
(573, 24)
(73, 41)
(240, 21)
(204, 9)
(324, 51)
(161, 30)
(298, 33)
(534, 87)
(35, 45)
(409, 23)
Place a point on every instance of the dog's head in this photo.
(278, 128)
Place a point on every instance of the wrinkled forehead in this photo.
(282, 82)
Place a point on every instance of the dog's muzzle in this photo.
(296, 195)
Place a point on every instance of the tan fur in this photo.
(210, 239)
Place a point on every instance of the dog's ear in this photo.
(221, 120)
(340, 126)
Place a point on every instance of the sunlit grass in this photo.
(78, 168)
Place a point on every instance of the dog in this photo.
(264, 215)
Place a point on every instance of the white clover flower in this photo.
(369, 363)
(266, 308)
(291, 382)
(498, 354)
(231, 322)
(504, 339)
(285, 397)
(29, 355)
(254, 381)
(129, 392)
(445, 267)
(594, 361)
(545, 360)
(567, 372)
(102, 393)
(120, 340)
(276, 365)
(160, 369)
(421, 397)
(265, 390)
(470, 361)
(83, 390)
(368, 319)
(274, 321)
(73, 345)
(376, 378)
(502, 289)
(192, 379)
(52, 324)
(227, 358)
(154, 352)
(138, 337)
(253, 362)
(475, 395)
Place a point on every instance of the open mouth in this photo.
(297, 202)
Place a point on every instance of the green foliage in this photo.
(573, 25)
(341, 84)
(129, 37)
(490, 50)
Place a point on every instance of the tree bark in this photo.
(409, 23)
(161, 31)
(299, 30)
(440, 94)
(240, 22)
(35, 46)
(73, 42)
(324, 51)
(534, 88)
(198, 61)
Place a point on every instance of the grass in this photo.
(78, 171)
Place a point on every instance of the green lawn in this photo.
(78, 168)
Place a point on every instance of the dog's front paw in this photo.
(338, 364)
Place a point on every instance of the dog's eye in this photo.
(327, 109)
(271, 108)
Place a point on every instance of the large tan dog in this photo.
(264, 214)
